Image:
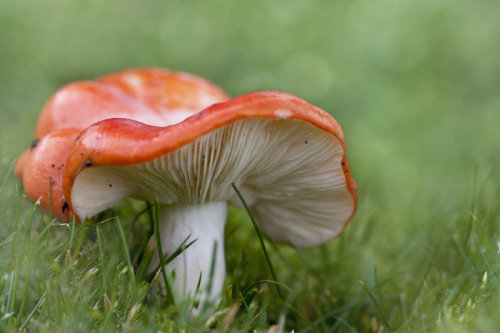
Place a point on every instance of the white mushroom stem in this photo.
(205, 223)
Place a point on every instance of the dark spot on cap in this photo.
(305, 142)
(82, 153)
(343, 163)
(65, 207)
(346, 171)
(110, 185)
(34, 143)
(53, 165)
(87, 163)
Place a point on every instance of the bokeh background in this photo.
(414, 84)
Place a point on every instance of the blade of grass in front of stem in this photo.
(183, 247)
(211, 275)
(252, 218)
(170, 295)
(198, 284)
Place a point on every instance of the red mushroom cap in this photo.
(296, 172)
(153, 96)
(42, 168)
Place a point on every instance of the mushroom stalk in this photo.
(205, 224)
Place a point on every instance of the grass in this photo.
(56, 277)
(415, 88)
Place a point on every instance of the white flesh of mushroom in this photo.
(178, 222)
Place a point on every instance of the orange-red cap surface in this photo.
(42, 170)
(153, 96)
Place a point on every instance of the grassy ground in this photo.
(415, 88)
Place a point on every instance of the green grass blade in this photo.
(256, 283)
(377, 305)
(37, 305)
(210, 276)
(72, 232)
(144, 262)
(101, 258)
(23, 300)
(11, 295)
(127, 255)
(181, 248)
(46, 229)
(252, 218)
(170, 295)
(7, 239)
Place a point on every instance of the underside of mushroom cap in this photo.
(285, 155)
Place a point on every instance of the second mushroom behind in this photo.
(286, 156)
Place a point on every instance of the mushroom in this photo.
(40, 168)
(285, 155)
(150, 95)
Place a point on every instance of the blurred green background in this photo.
(415, 86)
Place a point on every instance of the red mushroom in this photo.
(40, 168)
(286, 156)
(152, 96)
